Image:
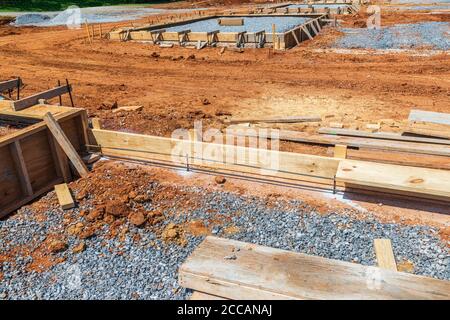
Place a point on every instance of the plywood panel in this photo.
(39, 159)
(10, 188)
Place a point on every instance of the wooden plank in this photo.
(428, 132)
(259, 272)
(215, 156)
(197, 295)
(34, 99)
(231, 21)
(64, 196)
(65, 144)
(384, 253)
(403, 146)
(340, 151)
(400, 158)
(128, 109)
(428, 116)
(413, 181)
(16, 151)
(291, 119)
(380, 135)
(10, 85)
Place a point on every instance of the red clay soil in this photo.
(172, 83)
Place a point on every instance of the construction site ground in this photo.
(173, 210)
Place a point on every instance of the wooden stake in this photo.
(273, 35)
(88, 32)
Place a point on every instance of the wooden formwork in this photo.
(289, 167)
(31, 162)
(280, 41)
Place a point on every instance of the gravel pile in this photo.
(253, 24)
(92, 15)
(434, 35)
(142, 266)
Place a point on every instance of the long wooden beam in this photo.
(239, 270)
(428, 116)
(403, 180)
(34, 99)
(381, 144)
(65, 144)
(380, 135)
(286, 165)
(412, 181)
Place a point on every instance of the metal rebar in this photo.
(60, 99)
(70, 93)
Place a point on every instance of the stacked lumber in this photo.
(258, 273)
(429, 124)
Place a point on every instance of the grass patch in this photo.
(57, 5)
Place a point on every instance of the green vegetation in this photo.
(56, 5)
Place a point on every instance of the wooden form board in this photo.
(43, 164)
(380, 135)
(395, 157)
(231, 21)
(34, 99)
(10, 84)
(65, 198)
(285, 39)
(260, 272)
(292, 166)
(428, 116)
(412, 181)
(286, 165)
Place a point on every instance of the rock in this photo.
(136, 218)
(191, 57)
(75, 229)
(109, 219)
(171, 232)
(117, 209)
(142, 198)
(132, 194)
(79, 247)
(81, 195)
(230, 257)
(87, 233)
(96, 214)
(205, 102)
(220, 179)
(155, 55)
(57, 246)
